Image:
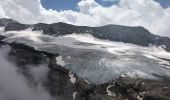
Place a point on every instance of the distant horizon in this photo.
(76, 25)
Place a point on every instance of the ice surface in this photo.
(96, 60)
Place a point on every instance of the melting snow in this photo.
(72, 77)
(110, 93)
(74, 95)
(60, 61)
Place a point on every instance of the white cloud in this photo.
(110, 0)
(146, 13)
(14, 86)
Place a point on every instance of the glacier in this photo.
(98, 61)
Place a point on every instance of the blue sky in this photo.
(72, 4)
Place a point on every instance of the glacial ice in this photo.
(98, 61)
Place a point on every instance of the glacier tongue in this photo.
(98, 61)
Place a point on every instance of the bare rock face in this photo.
(58, 80)
(157, 91)
(1, 38)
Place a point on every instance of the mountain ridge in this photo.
(135, 35)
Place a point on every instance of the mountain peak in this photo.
(6, 21)
(128, 34)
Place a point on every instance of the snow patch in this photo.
(2, 29)
(74, 95)
(110, 93)
(123, 75)
(140, 96)
(68, 57)
(86, 81)
(72, 77)
(59, 61)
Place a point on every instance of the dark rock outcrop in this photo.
(6, 21)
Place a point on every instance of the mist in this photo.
(14, 86)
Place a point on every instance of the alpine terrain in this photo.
(60, 61)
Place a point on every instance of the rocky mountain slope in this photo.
(109, 65)
(134, 35)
